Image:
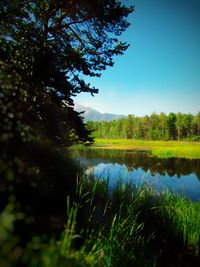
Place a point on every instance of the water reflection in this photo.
(177, 174)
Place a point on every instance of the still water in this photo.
(182, 176)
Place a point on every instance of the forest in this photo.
(154, 127)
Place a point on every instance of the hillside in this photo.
(94, 115)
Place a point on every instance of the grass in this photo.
(183, 215)
(147, 228)
(162, 149)
(125, 227)
(130, 227)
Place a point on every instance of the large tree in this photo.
(47, 49)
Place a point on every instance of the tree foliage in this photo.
(47, 48)
(154, 127)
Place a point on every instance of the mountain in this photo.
(94, 115)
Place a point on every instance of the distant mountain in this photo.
(94, 115)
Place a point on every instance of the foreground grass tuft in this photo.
(125, 227)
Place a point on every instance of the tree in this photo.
(144, 127)
(129, 126)
(179, 125)
(121, 128)
(163, 125)
(154, 127)
(187, 125)
(196, 121)
(46, 48)
(171, 126)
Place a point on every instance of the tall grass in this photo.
(141, 227)
(125, 227)
(184, 216)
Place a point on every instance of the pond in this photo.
(179, 175)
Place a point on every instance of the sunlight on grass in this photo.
(162, 149)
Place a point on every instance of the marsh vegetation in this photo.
(126, 227)
(162, 149)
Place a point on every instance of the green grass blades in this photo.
(123, 227)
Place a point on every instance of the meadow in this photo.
(163, 149)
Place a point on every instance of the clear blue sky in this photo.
(161, 69)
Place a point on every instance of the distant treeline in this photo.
(154, 127)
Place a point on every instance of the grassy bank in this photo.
(125, 227)
(163, 149)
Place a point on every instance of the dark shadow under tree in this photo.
(47, 48)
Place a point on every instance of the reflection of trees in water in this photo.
(142, 159)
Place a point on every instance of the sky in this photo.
(160, 71)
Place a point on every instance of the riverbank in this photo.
(162, 149)
(126, 228)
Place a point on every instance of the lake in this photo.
(179, 175)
